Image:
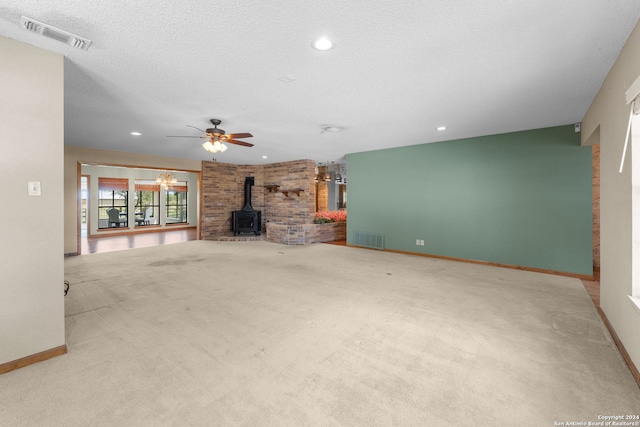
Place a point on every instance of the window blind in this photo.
(113, 184)
(180, 187)
(147, 186)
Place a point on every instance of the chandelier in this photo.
(166, 180)
(215, 146)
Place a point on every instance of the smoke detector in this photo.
(330, 128)
(47, 30)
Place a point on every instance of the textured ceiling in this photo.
(398, 70)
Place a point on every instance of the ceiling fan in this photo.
(216, 138)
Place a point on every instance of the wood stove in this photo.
(246, 220)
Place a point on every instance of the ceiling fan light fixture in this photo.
(216, 138)
(215, 147)
(323, 44)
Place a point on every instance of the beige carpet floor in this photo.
(259, 334)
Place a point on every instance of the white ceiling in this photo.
(398, 70)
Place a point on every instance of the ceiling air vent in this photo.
(54, 33)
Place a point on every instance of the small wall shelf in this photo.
(274, 188)
(297, 191)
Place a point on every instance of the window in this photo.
(147, 203)
(84, 198)
(176, 206)
(113, 193)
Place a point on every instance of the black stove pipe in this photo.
(248, 183)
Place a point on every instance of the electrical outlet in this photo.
(421, 242)
(417, 242)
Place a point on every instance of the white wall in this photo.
(608, 116)
(31, 139)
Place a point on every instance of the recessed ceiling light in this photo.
(322, 43)
(441, 128)
(264, 157)
(136, 133)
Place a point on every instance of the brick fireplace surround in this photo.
(287, 210)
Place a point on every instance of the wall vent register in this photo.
(367, 239)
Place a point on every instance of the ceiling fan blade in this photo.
(238, 135)
(233, 141)
(197, 128)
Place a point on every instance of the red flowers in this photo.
(330, 216)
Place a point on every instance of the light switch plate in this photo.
(34, 188)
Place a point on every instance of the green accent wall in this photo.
(520, 198)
